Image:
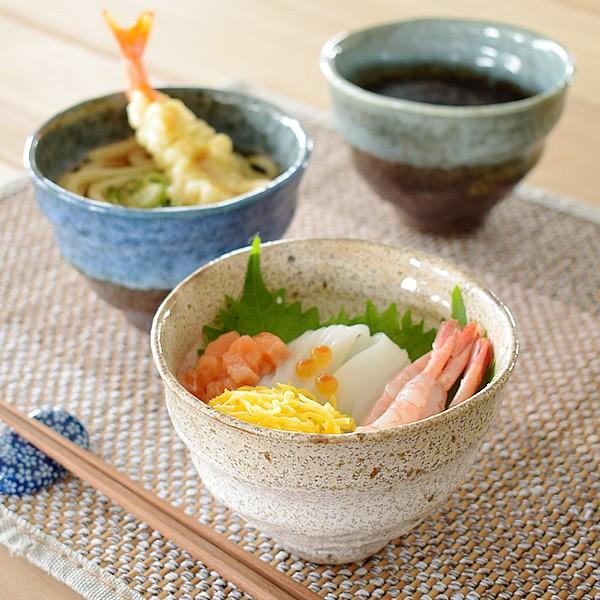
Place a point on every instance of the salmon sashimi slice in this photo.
(239, 371)
(213, 389)
(189, 381)
(208, 367)
(219, 346)
(274, 350)
(232, 361)
(248, 349)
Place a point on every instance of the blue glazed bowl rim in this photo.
(305, 147)
(332, 49)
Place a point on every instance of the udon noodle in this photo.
(111, 168)
(125, 173)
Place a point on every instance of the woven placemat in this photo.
(523, 525)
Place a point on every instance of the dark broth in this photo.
(439, 84)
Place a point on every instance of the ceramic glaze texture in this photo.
(446, 166)
(427, 135)
(331, 499)
(153, 250)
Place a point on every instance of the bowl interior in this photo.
(254, 126)
(330, 274)
(533, 62)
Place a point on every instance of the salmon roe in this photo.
(321, 355)
(305, 367)
(327, 384)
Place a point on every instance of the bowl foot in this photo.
(335, 550)
(462, 225)
(138, 306)
(443, 201)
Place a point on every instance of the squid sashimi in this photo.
(342, 341)
(362, 378)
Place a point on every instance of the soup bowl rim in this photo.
(171, 382)
(303, 152)
(331, 49)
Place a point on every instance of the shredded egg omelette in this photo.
(283, 407)
(201, 164)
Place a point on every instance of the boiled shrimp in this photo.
(425, 393)
(480, 359)
(393, 387)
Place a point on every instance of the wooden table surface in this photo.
(55, 54)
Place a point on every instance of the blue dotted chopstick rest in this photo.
(23, 468)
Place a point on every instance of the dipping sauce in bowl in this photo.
(437, 83)
(445, 116)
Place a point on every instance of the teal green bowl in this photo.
(445, 167)
(134, 257)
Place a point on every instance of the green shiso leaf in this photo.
(259, 310)
(459, 312)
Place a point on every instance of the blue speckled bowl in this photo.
(133, 257)
(446, 166)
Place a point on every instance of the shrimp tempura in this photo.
(201, 164)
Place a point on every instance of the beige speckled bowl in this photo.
(331, 499)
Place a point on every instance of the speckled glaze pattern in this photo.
(26, 470)
(331, 499)
(427, 135)
(155, 249)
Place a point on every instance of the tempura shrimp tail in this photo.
(132, 41)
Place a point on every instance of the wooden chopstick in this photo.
(249, 573)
